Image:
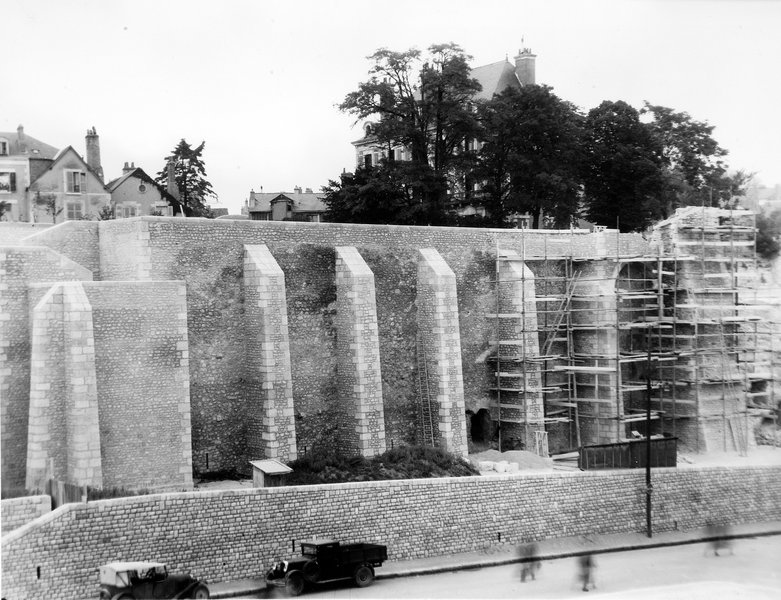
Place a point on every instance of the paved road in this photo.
(685, 572)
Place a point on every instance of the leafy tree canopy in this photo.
(388, 193)
(190, 178)
(622, 174)
(420, 102)
(531, 154)
(695, 171)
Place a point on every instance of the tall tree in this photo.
(695, 171)
(622, 170)
(530, 156)
(386, 193)
(423, 104)
(190, 178)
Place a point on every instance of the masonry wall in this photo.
(236, 534)
(139, 331)
(77, 240)
(21, 266)
(142, 365)
(20, 511)
(208, 256)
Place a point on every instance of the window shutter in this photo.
(83, 182)
(13, 181)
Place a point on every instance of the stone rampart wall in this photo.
(208, 255)
(78, 240)
(230, 535)
(15, 232)
(20, 511)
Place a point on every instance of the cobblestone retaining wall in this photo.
(230, 535)
(20, 511)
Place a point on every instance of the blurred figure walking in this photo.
(530, 564)
(586, 563)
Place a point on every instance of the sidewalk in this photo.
(505, 554)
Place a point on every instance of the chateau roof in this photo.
(495, 78)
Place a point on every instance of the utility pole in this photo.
(648, 486)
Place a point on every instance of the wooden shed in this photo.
(269, 472)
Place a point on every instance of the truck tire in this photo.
(363, 576)
(294, 583)
(201, 591)
(311, 571)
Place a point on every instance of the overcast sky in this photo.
(259, 80)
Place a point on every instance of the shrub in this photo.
(404, 462)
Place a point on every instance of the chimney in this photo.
(126, 169)
(93, 152)
(171, 183)
(20, 137)
(309, 191)
(524, 66)
(297, 189)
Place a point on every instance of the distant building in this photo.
(43, 184)
(285, 206)
(135, 194)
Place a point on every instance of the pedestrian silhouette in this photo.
(586, 564)
(530, 564)
(718, 536)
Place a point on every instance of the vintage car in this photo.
(138, 580)
(327, 560)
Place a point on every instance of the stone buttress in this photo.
(271, 429)
(439, 355)
(359, 381)
(63, 432)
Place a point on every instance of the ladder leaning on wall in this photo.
(425, 418)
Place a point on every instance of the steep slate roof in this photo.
(138, 173)
(34, 148)
(495, 78)
(261, 202)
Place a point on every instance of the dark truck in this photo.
(327, 560)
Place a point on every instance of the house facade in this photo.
(42, 184)
(136, 194)
(285, 206)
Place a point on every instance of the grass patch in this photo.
(405, 462)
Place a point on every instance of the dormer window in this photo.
(75, 182)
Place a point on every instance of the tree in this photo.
(190, 178)
(622, 169)
(769, 234)
(423, 104)
(530, 155)
(695, 172)
(106, 213)
(49, 204)
(4, 208)
(385, 194)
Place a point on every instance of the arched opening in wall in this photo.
(481, 427)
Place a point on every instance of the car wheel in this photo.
(201, 591)
(311, 571)
(294, 584)
(363, 576)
